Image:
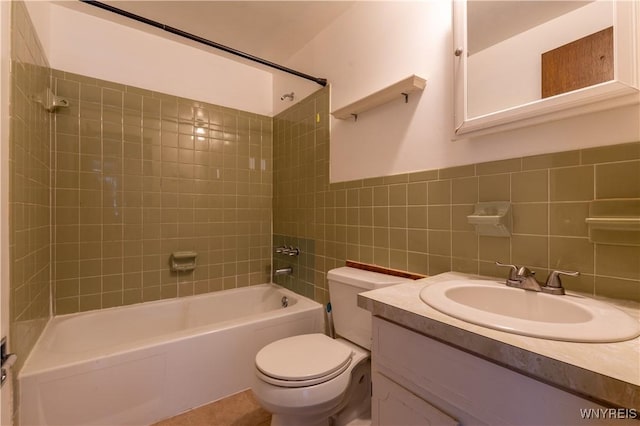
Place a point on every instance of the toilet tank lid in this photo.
(364, 279)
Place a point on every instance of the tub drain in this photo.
(285, 301)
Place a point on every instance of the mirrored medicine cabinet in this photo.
(500, 48)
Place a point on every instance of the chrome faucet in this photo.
(522, 277)
(290, 251)
(283, 271)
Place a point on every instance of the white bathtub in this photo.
(139, 364)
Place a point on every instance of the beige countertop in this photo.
(608, 373)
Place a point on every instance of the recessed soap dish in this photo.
(492, 218)
(183, 261)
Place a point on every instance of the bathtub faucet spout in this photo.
(283, 271)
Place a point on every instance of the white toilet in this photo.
(312, 379)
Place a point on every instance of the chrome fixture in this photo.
(522, 277)
(289, 96)
(51, 102)
(288, 250)
(284, 301)
(283, 271)
(554, 285)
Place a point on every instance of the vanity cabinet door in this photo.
(427, 373)
(392, 405)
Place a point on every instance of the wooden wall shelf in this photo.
(403, 87)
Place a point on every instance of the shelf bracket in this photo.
(404, 87)
(355, 117)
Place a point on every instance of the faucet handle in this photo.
(513, 271)
(554, 282)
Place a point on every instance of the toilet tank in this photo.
(350, 321)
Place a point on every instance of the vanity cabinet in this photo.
(420, 381)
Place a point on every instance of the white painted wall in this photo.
(91, 44)
(509, 73)
(375, 44)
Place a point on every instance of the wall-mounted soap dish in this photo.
(183, 261)
(492, 218)
(614, 222)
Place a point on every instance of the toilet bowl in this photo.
(310, 396)
(315, 380)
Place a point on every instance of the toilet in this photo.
(315, 380)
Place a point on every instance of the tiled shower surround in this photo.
(417, 221)
(29, 180)
(139, 175)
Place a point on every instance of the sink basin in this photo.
(568, 318)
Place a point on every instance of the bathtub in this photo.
(138, 364)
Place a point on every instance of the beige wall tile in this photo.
(571, 184)
(571, 254)
(417, 240)
(439, 217)
(417, 193)
(610, 176)
(456, 172)
(501, 166)
(465, 265)
(605, 154)
(464, 245)
(584, 283)
(418, 262)
(440, 243)
(464, 190)
(618, 288)
(546, 161)
(398, 239)
(494, 249)
(618, 261)
(439, 264)
(423, 176)
(494, 188)
(459, 220)
(568, 219)
(439, 192)
(416, 217)
(398, 195)
(529, 186)
(530, 250)
(530, 218)
(381, 196)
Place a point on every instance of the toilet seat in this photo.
(303, 360)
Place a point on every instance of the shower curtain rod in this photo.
(201, 40)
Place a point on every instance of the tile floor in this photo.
(237, 410)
